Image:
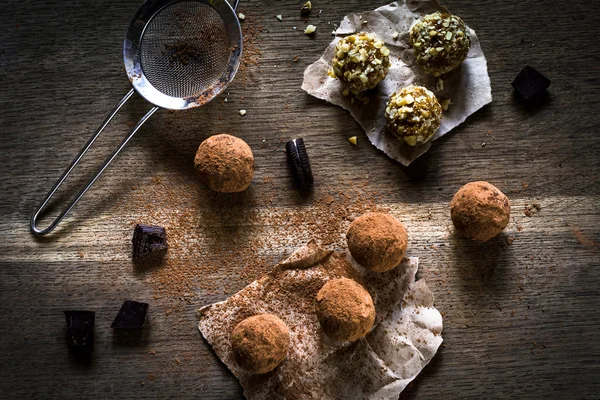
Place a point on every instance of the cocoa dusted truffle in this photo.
(225, 163)
(377, 241)
(413, 114)
(480, 211)
(260, 343)
(345, 310)
(441, 42)
(360, 61)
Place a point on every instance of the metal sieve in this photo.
(178, 54)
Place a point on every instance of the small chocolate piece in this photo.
(530, 82)
(300, 163)
(132, 315)
(149, 242)
(80, 332)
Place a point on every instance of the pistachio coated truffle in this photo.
(377, 241)
(480, 211)
(345, 310)
(413, 114)
(225, 163)
(360, 61)
(260, 343)
(441, 42)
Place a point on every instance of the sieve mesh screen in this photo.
(185, 48)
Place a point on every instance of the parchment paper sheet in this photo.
(405, 338)
(468, 86)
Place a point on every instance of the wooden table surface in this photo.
(521, 312)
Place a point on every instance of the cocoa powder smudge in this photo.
(219, 243)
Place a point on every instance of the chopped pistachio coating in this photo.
(360, 61)
(441, 42)
(413, 114)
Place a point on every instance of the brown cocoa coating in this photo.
(345, 310)
(260, 343)
(225, 163)
(377, 241)
(480, 211)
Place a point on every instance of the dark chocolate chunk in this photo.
(149, 242)
(530, 82)
(299, 163)
(80, 332)
(132, 315)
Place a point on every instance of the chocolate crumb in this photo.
(132, 315)
(149, 243)
(80, 332)
(530, 83)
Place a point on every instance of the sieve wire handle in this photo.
(235, 4)
(33, 222)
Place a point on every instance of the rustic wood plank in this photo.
(521, 320)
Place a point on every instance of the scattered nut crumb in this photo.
(279, 17)
(80, 254)
(509, 240)
(306, 9)
(525, 185)
(483, 144)
(445, 104)
(396, 34)
(439, 86)
(310, 29)
(241, 17)
(353, 140)
(242, 112)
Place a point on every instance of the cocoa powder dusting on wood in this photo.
(219, 249)
(582, 237)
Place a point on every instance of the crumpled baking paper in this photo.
(468, 86)
(406, 335)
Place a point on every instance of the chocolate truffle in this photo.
(260, 343)
(413, 114)
(225, 163)
(441, 42)
(480, 211)
(360, 62)
(377, 241)
(345, 310)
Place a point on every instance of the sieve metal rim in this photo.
(132, 55)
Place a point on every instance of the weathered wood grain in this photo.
(521, 320)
